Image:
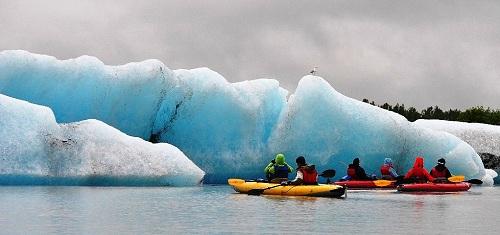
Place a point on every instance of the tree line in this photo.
(477, 114)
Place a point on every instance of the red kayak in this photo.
(368, 184)
(434, 187)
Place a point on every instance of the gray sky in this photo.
(419, 53)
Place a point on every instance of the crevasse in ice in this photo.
(230, 129)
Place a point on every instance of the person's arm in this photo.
(269, 168)
(298, 179)
(409, 174)
(448, 173)
(360, 172)
(432, 172)
(429, 176)
(290, 169)
(393, 172)
(299, 176)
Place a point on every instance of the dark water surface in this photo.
(217, 209)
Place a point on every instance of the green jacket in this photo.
(270, 168)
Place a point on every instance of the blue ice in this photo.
(230, 129)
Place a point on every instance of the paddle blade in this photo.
(255, 192)
(475, 181)
(456, 178)
(235, 181)
(382, 183)
(328, 173)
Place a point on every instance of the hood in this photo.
(419, 162)
(280, 159)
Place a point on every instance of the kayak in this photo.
(320, 190)
(368, 184)
(434, 187)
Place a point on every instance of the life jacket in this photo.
(385, 170)
(309, 175)
(438, 174)
(280, 171)
(351, 171)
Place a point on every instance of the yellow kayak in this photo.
(320, 190)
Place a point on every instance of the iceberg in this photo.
(484, 138)
(331, 129)
(230, 129)
(35, 150)
(125, 97)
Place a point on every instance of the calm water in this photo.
(216, 209)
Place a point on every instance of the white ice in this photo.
(35, 150)
(483, 138)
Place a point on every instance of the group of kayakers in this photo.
(277, 171)
(417, 173)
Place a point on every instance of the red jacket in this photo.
(418, 171)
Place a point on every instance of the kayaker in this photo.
(440, 171)
(277, 170)
(387, 170)
(306, 174)
(356, 172)
(418, 173)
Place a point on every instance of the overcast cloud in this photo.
(419, 53)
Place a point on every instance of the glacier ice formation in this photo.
(35, 150)
(230, 129)
(484, 138)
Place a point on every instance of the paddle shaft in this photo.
(259, 191)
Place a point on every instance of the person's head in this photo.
(280, 159)
(441, 162)
(388, 161)
(419, 162)
(355, 161)
(301, 161)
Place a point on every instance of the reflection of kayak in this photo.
(368, 184)
(434, 187)
(321, 190)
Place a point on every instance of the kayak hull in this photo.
(321, 190)
(365, 184)
(434, 187)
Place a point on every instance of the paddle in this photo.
(259, 191)
(474, 181)
(235, 181)
(461, 178)
(330, 173)
(382, 183)
(456, 178)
